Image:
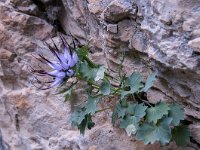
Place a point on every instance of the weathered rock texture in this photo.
(155, 34)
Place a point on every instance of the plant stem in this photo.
(93, 84)
(116, 90)
(146, 102)
(102, 110)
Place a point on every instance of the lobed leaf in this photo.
(181, 135)
(100, 73)
(77, 117)
(150, 81)
(131, 129)
(82, 52)
(120, 110)
(137, 110)
(105, 87)
(157, 112)
(128, 120)
(177, 113)
(90, 73)
(150, 133)
(91, 105)
(134, 83)
(87, 72)
(87, 122)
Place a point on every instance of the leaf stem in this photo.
(102, 110)
(93, 84)
(146, 102)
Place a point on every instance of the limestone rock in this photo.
(155, 35)
(5, 54)
(27, 7)
(138, 42)
(195, 130)
(195, 44)
(1, 70)
(96, 7)
(118, 10)
(113, 28)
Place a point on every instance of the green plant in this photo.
(134, 113)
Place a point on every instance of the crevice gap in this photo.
(46, 11)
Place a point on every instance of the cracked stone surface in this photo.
(155, 34)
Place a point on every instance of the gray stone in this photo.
(158, 35)
(1, 142)
(118, 10)
(195, 130)
(138, 42)
(5, 54)
(195, 44)
(113, 28)
(1, 70)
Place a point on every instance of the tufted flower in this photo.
(62, 68)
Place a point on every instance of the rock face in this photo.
(155, 34)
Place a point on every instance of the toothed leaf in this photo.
(157, 112)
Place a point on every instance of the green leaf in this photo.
(82, 52)
(120, 110)
(150, 133)
(181, 135)
(177, 113)
(68, 94)
(90, 124)
(82, 126)
(77, 117)
(131, 108)
(87, 72)
(87, 122)
(105, 87)
(140, 110)
(90, 73)
(91, 105)
(100, 73)
(114, 116)
(157, 112)
(131, 129)
(150, 81)
(124, 103)
(129, 120)
(66, 89)
(134, 83)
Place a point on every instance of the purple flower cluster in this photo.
(62, 67)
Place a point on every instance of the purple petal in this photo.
(53, 73)
(71, 63)
(57, 73)
(61, 74)
(55, 65)
(58, 81)
(65, 65)
(74, 60)
(66, 54)
(75, 57)
(63, 61)
(70, 73)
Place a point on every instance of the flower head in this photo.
(62, 68)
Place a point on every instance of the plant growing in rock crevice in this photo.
(148, 122)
